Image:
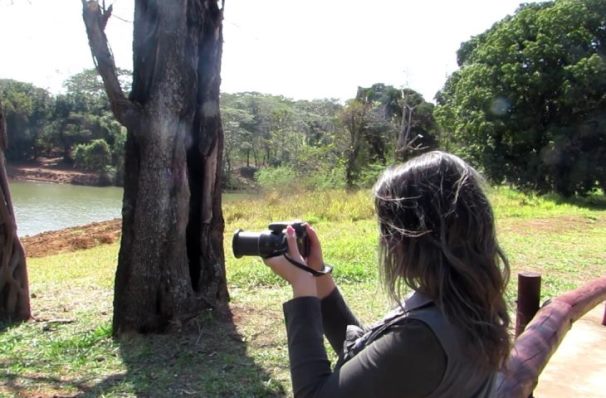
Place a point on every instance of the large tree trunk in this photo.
(171, 263)
(14, 288)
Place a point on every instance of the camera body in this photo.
(269, 243)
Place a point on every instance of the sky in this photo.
(302, 49)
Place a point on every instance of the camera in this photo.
(269, 243)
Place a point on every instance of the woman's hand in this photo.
(315, 259)
(303, 283)
(325, 284)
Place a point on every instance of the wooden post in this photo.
(604, 319)
(529, 293)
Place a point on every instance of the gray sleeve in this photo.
(336, 315)
(407, 361)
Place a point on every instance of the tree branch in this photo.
(95, 18)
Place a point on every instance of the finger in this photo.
(291, 240)
(312, 236)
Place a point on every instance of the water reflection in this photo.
(43, 207)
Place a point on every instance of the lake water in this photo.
(43, 207)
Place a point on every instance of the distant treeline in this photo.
(320, 143)
(527, 107)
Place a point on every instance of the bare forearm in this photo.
(304, 286)
(325, 285)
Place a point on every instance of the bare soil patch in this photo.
(71, 239)
(51, 170)
(559, 224)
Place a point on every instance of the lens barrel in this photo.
(245, 243)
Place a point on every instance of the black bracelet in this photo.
(327, 269)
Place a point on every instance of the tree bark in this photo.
(171, 263)
(14, 287)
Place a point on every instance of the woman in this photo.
(447, 339)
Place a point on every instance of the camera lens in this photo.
(245, 243)
(268, 243)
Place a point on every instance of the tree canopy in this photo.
(43, 125)
(27, 109)
(308, 141)
(528, 102)
(385, 125)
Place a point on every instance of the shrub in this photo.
(272, 178)
(333, 178)
(94, 156)
(370, 174)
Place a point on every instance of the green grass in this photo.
(509, 203)
(67, 350)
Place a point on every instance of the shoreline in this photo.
(72, 238)
(51, 171)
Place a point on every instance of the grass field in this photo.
(67, 350)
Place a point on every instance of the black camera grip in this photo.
(326, 270)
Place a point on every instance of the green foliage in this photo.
(325, 176)
(277, 178)
(265, 131)
(39, 124)
(370, 174)
(83, 114)
(287, 178)
(88, 85)
(385, 125)
(26, 109)
(528, 104)
(312, 139)
(94, 156)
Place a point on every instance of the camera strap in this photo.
(327, 269)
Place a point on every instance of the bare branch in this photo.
(105, 16)
(95, 19)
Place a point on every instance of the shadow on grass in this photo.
(5, 325)
(53, 385)
(591, 202)
(207, 358)
(68, 351)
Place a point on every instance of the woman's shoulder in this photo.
(413, 334)
(399, 337)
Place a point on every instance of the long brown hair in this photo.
(438, 237)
